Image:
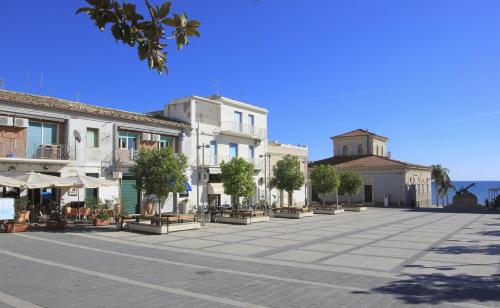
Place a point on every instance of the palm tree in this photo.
(438, 176)
(447, 184)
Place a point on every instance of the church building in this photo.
(385, 180)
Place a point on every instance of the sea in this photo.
(480, 190)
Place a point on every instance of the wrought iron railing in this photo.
(15, 149)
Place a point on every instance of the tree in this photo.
(287, 176)
(148, 35)
(325, 179)
(442, 182)
(160, 172)
(350, 183)
(237, 178)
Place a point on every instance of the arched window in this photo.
(382, 151)
(360, 150)
(345, 150)
(377, 150)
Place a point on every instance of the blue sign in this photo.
(6, 208)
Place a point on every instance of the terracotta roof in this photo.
(359, 132)
(366, 161)
(61, 104)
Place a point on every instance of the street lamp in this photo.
(266, 155)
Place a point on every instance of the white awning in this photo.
(215, 189)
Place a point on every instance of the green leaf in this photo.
(84, 9)
(165, 9)
(193, 23)
(169, 22)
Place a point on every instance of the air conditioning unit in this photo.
(20, 122)
(155, 137)
(6, 121)
(146, 137)
(117, 175)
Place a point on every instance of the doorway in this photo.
(368, 193)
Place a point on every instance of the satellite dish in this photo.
(77, 136)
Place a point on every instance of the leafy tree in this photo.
(288, 176)
(160, 172)
(148, 35)
(237, 178)
(325, 179)
(442, 182)
(350, 183)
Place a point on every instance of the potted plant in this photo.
(101, 218)
(56, 220)
(118, 205)
(21, 215)
(119, 218)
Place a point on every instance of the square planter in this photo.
(55, 225)
(12, 228)
(100, 222)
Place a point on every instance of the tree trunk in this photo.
(349, 198)
(437, 198)
(447, 200)
(324, 195)
(290, 200)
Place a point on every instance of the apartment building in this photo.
(64, 138)
(223, 128)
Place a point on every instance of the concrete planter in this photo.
(296, 215)
(16, 227)
(329, 211)
(356, 209)
(163, 229)
(100, 222)
(241, 220)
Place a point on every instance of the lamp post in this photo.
(267, 159)
(202, 147)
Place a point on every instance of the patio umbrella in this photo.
(10, 182)
(35, 180)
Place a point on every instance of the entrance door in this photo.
(368, 193)
(129, 196)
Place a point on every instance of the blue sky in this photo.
(424, 73)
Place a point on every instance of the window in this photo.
(128, 140)
(165, 142)
(251, 123)
(360, 150)
(41, 133)
(345, 150)
(92, 138)
(382, 151)
(251, 152)
(233, 150)
(213, 152)
(238, 120)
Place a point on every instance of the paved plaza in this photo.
(378, 258)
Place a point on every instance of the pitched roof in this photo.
(359, 132)
(367, 161)
(61, 104)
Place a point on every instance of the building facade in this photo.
(385, 180)
(64, 138)
(276, 152)
(222, 129)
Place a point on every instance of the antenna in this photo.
(77, 96)
(41, 83)
(216, 86)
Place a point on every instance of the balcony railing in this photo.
(243, 129)
(215, 161)
(126, 155)
(39, 151)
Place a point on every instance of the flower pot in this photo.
(53, 225)
(100, 222)
(15, 227)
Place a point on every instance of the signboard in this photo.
(6, 208)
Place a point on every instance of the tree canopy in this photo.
(350, 182)
(160, 172)
(148, 34)
(325, 179)
(287, 176)
(237, 177)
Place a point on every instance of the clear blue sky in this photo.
(424, 73)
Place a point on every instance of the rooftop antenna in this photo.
(77, 96)
(216, 87)
(27, 82)
(41, 83)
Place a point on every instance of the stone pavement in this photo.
(378, 258)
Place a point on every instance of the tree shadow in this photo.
(438, 288)
(493, 249)
(490, 233)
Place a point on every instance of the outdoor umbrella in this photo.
(10, 182)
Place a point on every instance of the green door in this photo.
(129, 196)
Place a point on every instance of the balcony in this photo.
(243, 130)
(215, 161)
(15, 151)
(126, 156)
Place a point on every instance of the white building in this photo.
(64, 138)
(276, 152)
(401, 183)
(222, 128)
